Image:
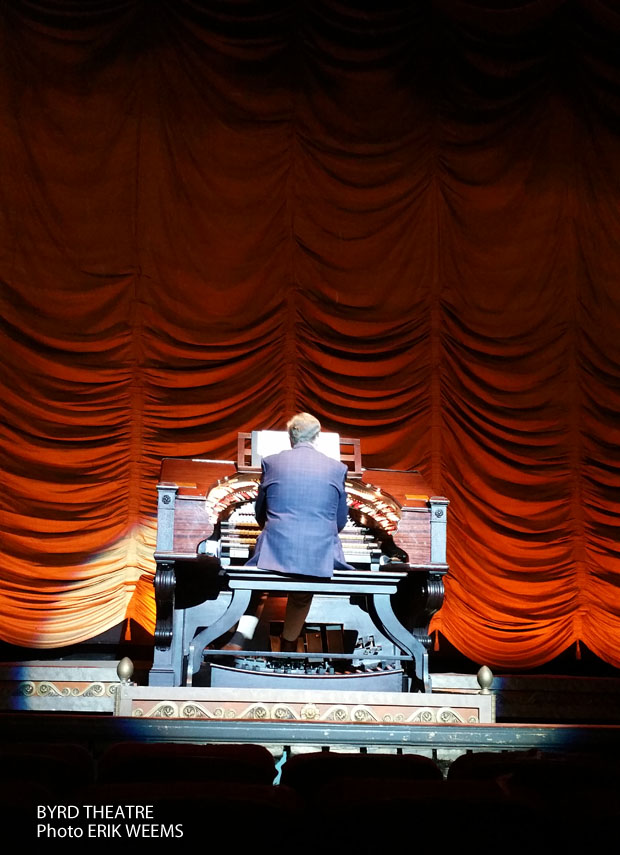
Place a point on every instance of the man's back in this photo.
(302, 505)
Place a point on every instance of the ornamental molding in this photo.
(57, 689)
(304, 711)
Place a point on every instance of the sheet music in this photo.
(266, 442)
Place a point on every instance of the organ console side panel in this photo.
(395, 538)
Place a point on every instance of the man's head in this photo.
(303, 428)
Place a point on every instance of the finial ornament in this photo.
(485, 678)
(124, 669)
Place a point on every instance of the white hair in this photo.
(303, 428)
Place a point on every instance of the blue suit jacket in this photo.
(302, 505)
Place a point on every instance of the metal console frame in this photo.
(181, 635)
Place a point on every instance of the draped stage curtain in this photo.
(401, 216)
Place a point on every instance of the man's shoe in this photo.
(287, 646)
(236, 642)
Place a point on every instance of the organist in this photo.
(301, 506)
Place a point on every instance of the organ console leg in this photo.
(168, 655)
(383, 616)
(237, 606)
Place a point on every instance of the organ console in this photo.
(395, 539)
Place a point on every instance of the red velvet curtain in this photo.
(403, 217)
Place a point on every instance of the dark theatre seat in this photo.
(308, 773)
(43, 773)
(136, 761)
(19, 800)
(560, 770)
(374, 814)
(58, 767)
(572, 793)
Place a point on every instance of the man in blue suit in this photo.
(301, 506)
